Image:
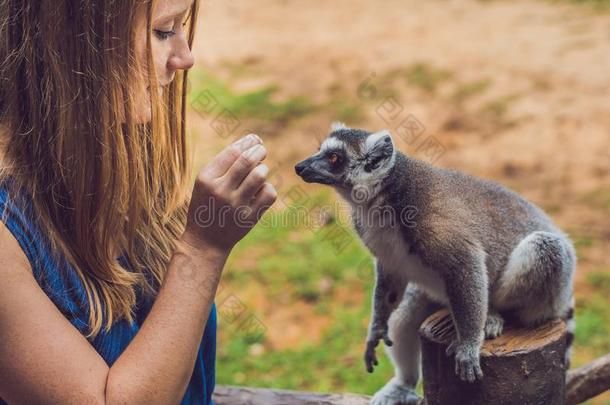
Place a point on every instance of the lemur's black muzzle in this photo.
(301, 166)
(312, 170)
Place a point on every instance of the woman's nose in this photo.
(183, 59)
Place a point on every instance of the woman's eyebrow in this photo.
(173, 15)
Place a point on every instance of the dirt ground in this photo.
(516, 91)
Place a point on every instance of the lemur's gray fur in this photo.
(442, 238)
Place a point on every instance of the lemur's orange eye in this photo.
(333, 158)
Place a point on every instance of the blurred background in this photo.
(514, 91)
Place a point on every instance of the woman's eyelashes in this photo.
(163, 35)
(166, 34)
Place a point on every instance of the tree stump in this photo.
(520, 367)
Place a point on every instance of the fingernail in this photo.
(254, 150)
(245, 139)
(250, 138)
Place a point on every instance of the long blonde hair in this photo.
(99, 180)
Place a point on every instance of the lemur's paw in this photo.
(375, 335)
(467, 362)
(370, 358)
(394, 393)
(494, 326)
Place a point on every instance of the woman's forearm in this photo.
(157, 365)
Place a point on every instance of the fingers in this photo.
(225, 159)
(263, 200)
(252, 184)
(243, 165)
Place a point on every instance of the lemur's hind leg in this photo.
(404, 323)
(537, 283)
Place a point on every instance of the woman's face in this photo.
(170, 49)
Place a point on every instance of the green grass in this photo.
(346, 111)
(592, 314)
(599, 198)
(303, 264)
(600, 5)
(332, 365)
(497, 109)
(426, 77)
(262, 104)
(465, 91)
(582, 243)
(601, 280)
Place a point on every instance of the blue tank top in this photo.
(61, 283)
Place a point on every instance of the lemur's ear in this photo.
(379, 144)
(335, 126)
(379, 150)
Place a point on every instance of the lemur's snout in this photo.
(310, 171)
(300, 167)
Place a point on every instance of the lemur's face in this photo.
(349, 158)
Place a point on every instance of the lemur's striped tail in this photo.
(571, 324)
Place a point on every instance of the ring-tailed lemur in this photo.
(442, 238)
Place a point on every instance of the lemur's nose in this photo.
(300, 167)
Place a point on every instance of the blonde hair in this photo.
(98, 179)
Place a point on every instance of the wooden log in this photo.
(588, 381)
(227, 395)
(520, 367)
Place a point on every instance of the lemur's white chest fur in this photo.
(392, 251)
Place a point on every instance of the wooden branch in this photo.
(588, 381)
(227, 395)
(522, 366)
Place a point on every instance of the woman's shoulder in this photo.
(21, 245)
(25, 248)
(13, 260)
(16, 218)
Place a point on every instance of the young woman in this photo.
(107, 278)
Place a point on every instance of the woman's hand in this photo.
(229, 196)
